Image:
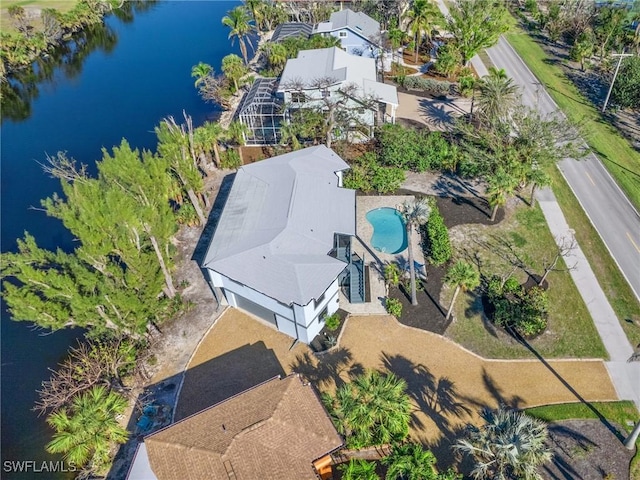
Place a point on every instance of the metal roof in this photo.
(291, 29)
(279, 222)
(357, 22)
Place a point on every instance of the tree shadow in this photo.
(567, 385)
(329, 369)
(435, 397)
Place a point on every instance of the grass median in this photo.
(615, 152)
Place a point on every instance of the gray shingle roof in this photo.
(291, 29)
(278, 225)
(357, 22)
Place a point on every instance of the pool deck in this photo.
(377, 260)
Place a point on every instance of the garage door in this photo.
(255, 309)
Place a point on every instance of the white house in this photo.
(270, 251)
(314, 75)
(359, 34)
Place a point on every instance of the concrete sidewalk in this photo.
(625, 376)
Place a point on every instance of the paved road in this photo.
(613, 216)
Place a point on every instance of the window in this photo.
(342, 34)
(298, 97)
(319, 300)
(325, 93)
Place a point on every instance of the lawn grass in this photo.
(524, 232)
(615, 286)
(615, 152)
(620, 413)
(5, 21)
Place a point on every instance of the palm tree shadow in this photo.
(435, 397)
(329, 369)
(580, 398)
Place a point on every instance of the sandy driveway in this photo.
(437, 114)
(447, 383)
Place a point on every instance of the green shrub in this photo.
(332, 322)
(524, 310)
(230, 158)
(392, 274)
(437, 242)
(394, 307)
(435, 87)
(466, 85)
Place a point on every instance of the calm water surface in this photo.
(118, 92)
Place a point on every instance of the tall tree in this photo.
(414, 213)
(255, 7)
(207, 138)
(477, 24)
(498, 96)
(175, 145)
(234, 69)
(463, 276)
(144, 181)
(87, 431)
(241, 27)
(509, 445)
(500, 186)
(423, 16)
(374, 409)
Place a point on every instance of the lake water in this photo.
(121, 90)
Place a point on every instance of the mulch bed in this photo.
(320, 343)
(586, 449)
(429, 314)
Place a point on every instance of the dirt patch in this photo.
(586, 449)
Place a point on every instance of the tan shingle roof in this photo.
(274, 430)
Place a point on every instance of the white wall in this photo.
(292, 320)
(353, 42)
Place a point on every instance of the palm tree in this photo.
(501, 185)
(358, 469)
(240, 23)
(86, 433)
(498, 95)
(510, 445)
(255, 7)
(373, 409)
(423, 17)
(208, 136)
(276, 54)
(289, 135)
(410, 462)
(234, 69)
(201, 71)
(464, 276)
(414, 213)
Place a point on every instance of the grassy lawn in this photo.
(614, 285)
(523, 233)
(616, 412)
(622, 161)
(5, 20)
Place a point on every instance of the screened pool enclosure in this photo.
(262, 112)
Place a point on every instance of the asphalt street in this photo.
(608, 208)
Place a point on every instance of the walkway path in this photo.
(625, 376)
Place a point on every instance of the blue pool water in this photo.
(389, 232)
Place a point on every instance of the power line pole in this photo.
(615, 74)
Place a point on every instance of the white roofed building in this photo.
(282, 245)
(359, 34)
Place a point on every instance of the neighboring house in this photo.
(270, 253)
(359, 34)
(327, 73)
(278, 429)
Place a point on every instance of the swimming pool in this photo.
(389, 232)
